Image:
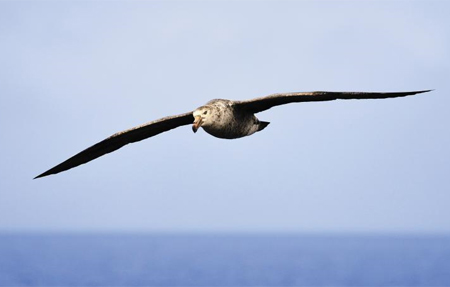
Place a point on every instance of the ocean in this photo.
(223, 260)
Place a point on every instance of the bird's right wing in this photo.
(120, 139)
(264, 103)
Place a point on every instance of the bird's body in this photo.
(227, 120)
(224, 119)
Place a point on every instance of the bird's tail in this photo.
(262, 125)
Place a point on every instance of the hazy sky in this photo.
(73, 73)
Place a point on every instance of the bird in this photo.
(221, 118)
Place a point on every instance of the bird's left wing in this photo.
(264, 103)
(120, 139)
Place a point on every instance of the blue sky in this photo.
(76, 72)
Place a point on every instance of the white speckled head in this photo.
(202, 117)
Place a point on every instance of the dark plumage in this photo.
(221, 118)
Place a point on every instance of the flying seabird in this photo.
(224, 119)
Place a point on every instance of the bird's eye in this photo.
(205, 112)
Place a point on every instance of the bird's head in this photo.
(202, 117)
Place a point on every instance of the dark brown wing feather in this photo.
(264, 103)
(120, 139)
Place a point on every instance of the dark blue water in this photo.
(269, 260)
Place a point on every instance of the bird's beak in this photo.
(197, 123)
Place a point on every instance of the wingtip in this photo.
(39, 176)
(42, 175)
(424, 91)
